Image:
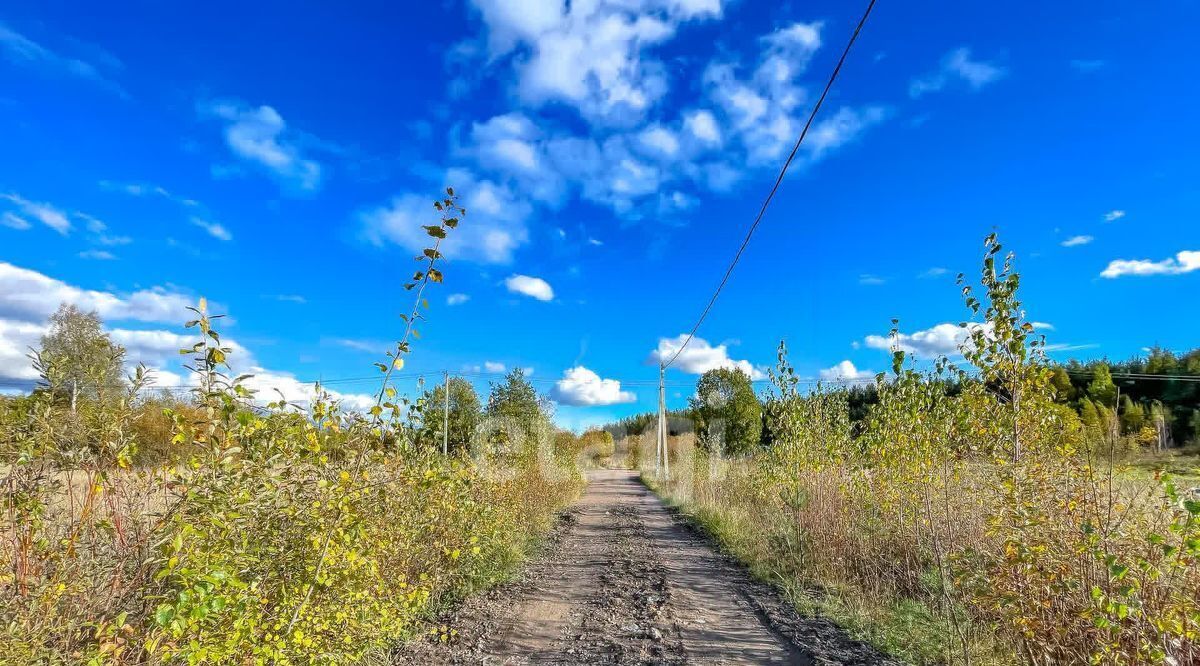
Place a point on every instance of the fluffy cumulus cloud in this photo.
(702, 125)
(699, 357)
(940, 340)
(271, 386)
(457, 299)
(580, 386)
(846, 372)
(16, 339)
(260, 136)
(1074, 241)
(628, 151)
(957, 67)
(28, 298)
(593, 56)
(1183, 262)
(28, 295)
(491, 367)
(948, 339)
(753, 116)
(496, 226)
(533, 287)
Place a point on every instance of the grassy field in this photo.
(959, 559)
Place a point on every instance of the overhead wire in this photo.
(775, 188)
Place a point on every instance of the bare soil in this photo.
(623, 580)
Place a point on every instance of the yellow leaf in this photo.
(398, 363)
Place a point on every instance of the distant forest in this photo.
(1161, 386)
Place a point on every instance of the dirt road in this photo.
(624, 581)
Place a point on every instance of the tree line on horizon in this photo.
(1143, 402)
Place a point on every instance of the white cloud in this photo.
(659, 142)
(369, 346)
(507, 141)
(493, 367)
(702, 124)
(214, 229)
(102, 255)
(583, 387)
(593, 56)
(845, 371)
(643, 169)
(16, 339)
(595, 241)
(270, 385)
(957, 66)
(871, 280)
(159, 348)
(94, 225)
(31, 296)
(533, 287)
(763, 110)
(27, 299)
(699, 357)
(113, 240)
(457, 299)
(1114, 215)
(936, 271)
(1183, 262)
(1077, 240)
(945, 339)
(45, 213)
(260, 136)
(841, 128)
(135, 189)
(21, 50)
(14, 221)
(148, 190)
(494, 229)
(940, 340)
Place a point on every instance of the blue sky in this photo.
(279, 160)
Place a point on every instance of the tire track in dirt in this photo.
(624, 581)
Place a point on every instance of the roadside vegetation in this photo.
(214, 527)
(999, 510)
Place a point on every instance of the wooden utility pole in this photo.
(661, 447)
(446, 413)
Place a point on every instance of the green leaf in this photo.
(164, 614)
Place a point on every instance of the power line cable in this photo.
(778, 180)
